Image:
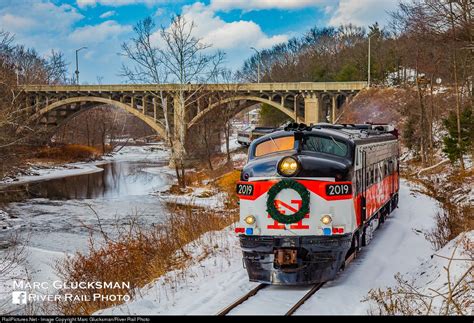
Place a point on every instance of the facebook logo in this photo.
(19, 298)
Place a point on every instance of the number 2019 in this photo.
(338, 189)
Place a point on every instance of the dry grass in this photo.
(450, 222)
(216, 178)
(12, 261)
(226, 183)
(66, 153)
(137, 256)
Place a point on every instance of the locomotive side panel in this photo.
(375, 177)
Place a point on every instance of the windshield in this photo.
(325, 145)
(273, 145)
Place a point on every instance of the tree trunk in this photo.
(456, 85)
(227, 139)
(422, 126)
(206, 134)
(430, 123)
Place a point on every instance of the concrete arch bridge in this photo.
(186, 108)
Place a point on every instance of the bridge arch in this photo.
(148, 120)
(257, 99)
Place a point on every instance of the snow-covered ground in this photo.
(39, 173)
(233, 144)
(431, 277)
(152, 152)
(209, 285)
(199, 197)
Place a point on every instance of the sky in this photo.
(232, 26)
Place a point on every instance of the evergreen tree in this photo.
(271, 117)
(452, 148)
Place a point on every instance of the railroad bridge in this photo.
(190, 105)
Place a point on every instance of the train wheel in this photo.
(393, 204)
(355, 244)
(384, 212)
(358, 242)
(396, 201)
(369, 232)
(366, 236)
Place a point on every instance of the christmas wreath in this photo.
(287, 218)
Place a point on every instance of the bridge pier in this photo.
(311, 108)
(333, 109)
(155, 106)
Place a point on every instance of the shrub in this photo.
(226, 183)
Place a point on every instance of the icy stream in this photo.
(58, 211)
(64, 202)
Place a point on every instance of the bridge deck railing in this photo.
(239, 87)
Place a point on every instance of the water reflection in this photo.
(116, 180)
(55, 214)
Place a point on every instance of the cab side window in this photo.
(325, 145)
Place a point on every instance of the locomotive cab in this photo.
(300, 212)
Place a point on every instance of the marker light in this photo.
(327, 231)
(250, 219)
(288, 166)
(326, 219)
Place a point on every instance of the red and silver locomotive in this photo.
(311, 196)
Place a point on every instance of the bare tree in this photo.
(148, 68)
(185, 58)
(20, 65)
(178, 57)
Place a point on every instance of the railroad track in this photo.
(254, 291)
(294, 308)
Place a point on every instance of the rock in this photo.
(4, 244)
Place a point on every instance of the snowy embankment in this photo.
(445, 277)
(198, 197)
(210, 284)
(38, 173)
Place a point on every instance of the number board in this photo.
(245, 189)
(338, 189)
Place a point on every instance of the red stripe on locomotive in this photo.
(374, 199)
(317, 187)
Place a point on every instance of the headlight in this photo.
(326, 219)
(288, 166)
(250, 219)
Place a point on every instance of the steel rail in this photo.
(310, 293)
(253, 292)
